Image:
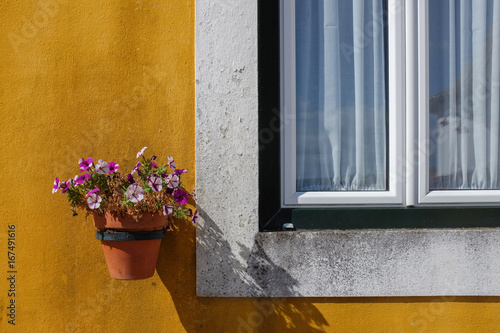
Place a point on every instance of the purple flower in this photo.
(172, 181)
(136, 168)
(82, 179)
(154, 165)
(64, 186)
(94, 201)
(135, 193)
(113, 167)
(141, 152)
(91, 192)
(179, 172)
(181, 196)
(171, 162)
(102, 167)
(167, 210)
(195, 216)
(193, 194)
(153, 157)
(85, 164)
(130, 179)
(56, 185)
(155, 183)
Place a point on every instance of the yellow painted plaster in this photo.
(103, 79)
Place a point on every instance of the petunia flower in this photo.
(195, 217)
(102, 167)
(167, 210)
(155, 183)
(141, 152)
(179, 172)
(181, 196)
(92, 191)
(85, 164)
(64, 186)
(113, 167)
(136, 168)
(135, 193)
(193, 194)
(172, 181)
(154, 165)
(82, 179)
(94, 201)
(56, 185)
(153, 157)
(130, 179)
(171, 162)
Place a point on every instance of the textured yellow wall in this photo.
(103, 79)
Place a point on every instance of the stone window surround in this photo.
(235, 259)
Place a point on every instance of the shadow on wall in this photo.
(177, 270)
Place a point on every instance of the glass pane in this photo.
(464, 94)
(341, 95)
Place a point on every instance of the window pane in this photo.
(464, 90)
(341, 95)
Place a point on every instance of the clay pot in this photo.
(131, 247)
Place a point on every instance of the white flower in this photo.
(172, 181)
(135, 193)
(141, 152)
(155, 183)
(167, 210)
(55, 188)
(171, 162)
(94, 201)
(102, 167)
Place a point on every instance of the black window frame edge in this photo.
(272, 216)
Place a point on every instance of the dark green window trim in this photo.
(272, 216)
(269, 115)
(396, 218)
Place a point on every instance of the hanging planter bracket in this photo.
(113, 235)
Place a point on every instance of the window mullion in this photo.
(411, 114)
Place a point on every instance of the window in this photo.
(459, 94)
(235, 259)
(352, 107)
(339, 87)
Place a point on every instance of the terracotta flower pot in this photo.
(131, 248)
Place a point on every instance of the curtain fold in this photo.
(479, 92)
(333, 119)
(495, 96)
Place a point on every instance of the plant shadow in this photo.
(177, 270)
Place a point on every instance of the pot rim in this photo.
(148, 222)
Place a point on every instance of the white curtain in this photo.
(341, 95)
(464, 78)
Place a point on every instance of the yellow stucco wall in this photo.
(103, 79)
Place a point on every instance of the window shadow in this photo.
(177, 270)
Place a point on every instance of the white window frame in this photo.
(425, 195)
(394, 194)
(408, 120)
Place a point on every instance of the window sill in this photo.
(395, 262)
